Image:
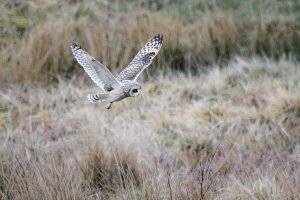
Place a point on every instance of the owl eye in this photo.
(134, 90)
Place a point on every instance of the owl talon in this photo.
(108, 106)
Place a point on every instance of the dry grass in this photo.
(37, 36)
(229, 133)
(232, 133)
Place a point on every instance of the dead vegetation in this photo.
(234, 135)
(37, 34)
(227, 128)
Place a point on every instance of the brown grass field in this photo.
(218, 116)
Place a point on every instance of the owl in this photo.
(125, 84)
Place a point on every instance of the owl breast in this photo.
(117, 94)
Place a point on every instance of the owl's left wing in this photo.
(142, 60)
(97, 71)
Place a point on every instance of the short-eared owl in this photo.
(124, 85)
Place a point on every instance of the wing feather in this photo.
(142, 60)
(100, 75)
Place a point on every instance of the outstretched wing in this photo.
(97, 71)
(142, 60)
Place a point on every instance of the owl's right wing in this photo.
(97, 71)
(142, 60)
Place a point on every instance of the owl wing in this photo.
(97, 71)
(142, 60)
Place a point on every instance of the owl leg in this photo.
(108, 106)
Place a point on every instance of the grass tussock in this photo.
(197, 34)
(234, 137)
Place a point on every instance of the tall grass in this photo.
(36, 39)
(234, 137)
(231, 132)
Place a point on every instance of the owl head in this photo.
(132, 88)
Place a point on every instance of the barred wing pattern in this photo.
(97, 71)
(142, 60)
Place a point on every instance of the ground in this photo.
(229, 133)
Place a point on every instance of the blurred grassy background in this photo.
(35, 35)
(229, 133)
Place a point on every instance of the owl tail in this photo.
(97, 97)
